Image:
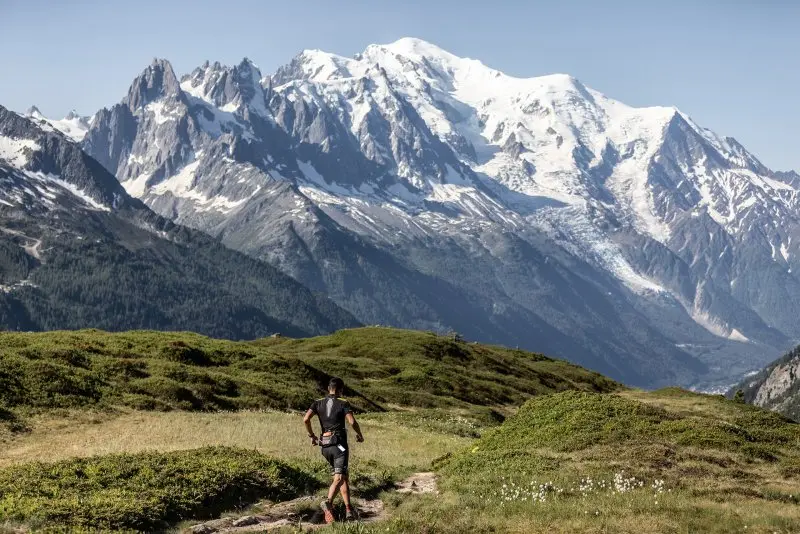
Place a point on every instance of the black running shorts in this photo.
(337, 458)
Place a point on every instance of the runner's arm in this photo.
(352, 420)
(307, 421)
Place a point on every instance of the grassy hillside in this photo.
(182, 371)
(190, 425)
(667, 461)
(130, 404)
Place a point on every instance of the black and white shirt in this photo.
(331, 411)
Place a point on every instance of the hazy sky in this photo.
(732, 65)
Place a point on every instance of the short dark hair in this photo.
(336, 384)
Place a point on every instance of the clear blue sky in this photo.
(730, 64)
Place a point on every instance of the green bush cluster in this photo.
(147, 491)
(575, 420)
(10, 422)
(572, 420)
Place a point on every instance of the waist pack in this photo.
(329, 439)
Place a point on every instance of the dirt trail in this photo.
(304, 512)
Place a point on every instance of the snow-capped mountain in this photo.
(73, 125)
(77, 251)
(43, 170)
(426, 190)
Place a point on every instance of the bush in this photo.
(145, 492)
(178, 351)
(575, 420)
(168, 391)
(48, 384)
(10, 422)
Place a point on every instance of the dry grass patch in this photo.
(277, 434)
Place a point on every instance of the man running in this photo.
(333, 411)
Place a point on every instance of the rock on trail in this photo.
(419, 483)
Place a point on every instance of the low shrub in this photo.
(572, 421)
(10, 422)
(147, 491)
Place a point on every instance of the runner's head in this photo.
(335, 386)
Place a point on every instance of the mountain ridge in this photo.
(408, 150)
(79, 251)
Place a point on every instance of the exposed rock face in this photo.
(77, 251)
(424, 190)
(776, 387)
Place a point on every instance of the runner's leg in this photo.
(344, 489)
(342, 466)
(327, 504)
(337, 483)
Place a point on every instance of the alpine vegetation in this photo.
(154, 431)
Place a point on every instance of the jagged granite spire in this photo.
(158, 80)
(238, 87)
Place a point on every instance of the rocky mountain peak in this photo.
(246, 77)
(228, 88)
(45, 167)
(158, 80)
(413, 48)
(790, 178)
(33, 111)
(311, 65)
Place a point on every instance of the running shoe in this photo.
(328, 511)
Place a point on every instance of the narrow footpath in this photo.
(304, 512)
